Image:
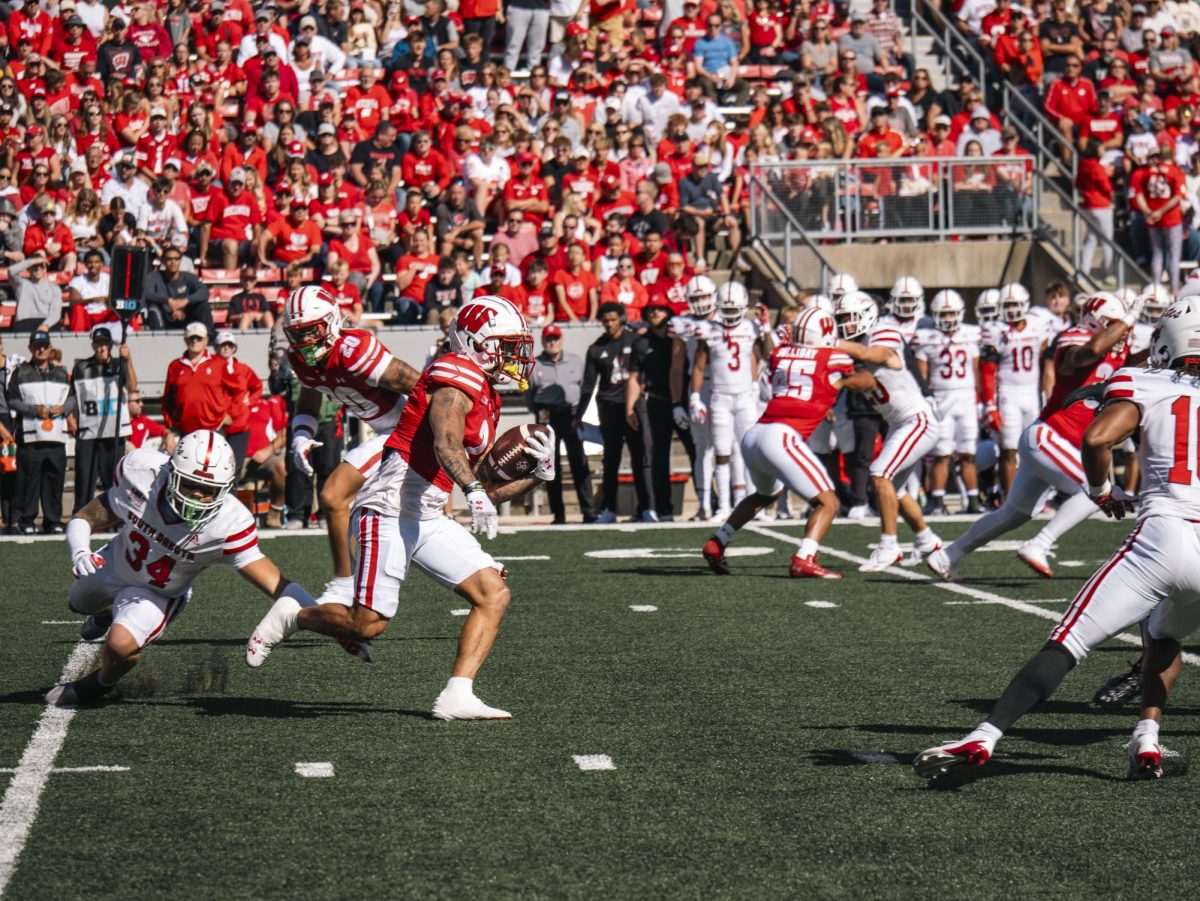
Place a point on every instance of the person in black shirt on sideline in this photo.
(607, 365)
(654, 399)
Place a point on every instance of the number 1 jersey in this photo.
(154, 547)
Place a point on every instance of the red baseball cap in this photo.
(325, 178)
(610, 181)
(525, 158)
(575, 30)
(299, 203)
(399, 79)
(295, 149)
(33, 131)
(551, 331)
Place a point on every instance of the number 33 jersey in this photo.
(154, 547)
(731, 355)
(950, 357)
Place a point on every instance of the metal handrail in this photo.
(760, 195)
(1048, 148)
(1127, 269)
(958, 53)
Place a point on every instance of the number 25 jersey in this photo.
(154, 547)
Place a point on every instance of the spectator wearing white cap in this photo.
(979, 129)
(327, 55)
(155, 146)
(263, 30)
(125, 184)
(246, 390)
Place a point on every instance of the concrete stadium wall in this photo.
(965, 264)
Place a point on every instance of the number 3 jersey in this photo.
(1169, 446)
(803, 385)
(731, 355)
(154, 547)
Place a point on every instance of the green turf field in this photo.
(732, 714)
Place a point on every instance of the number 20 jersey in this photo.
(731, 355)
(350, 374)
(1169, 447)
(154, 548)
(803, 383)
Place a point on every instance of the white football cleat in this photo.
(881, 559)
(459, 705)
(941, 565)
(721, 515)
(1036, 558)
(937, 761)
(1145, 757)
(338, 590)
(278, 624)
(859, 513)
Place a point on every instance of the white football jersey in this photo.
(1048, 322)
(731, 355)
(1170, 438)
(1139, 338)
(1020, 350)
(897, 396)
(951, 357)
(154, 548)
(690, 329)
(907, 327)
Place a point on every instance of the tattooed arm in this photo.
(399, 377)
(448, 411)
(97, 515)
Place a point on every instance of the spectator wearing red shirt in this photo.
(348, 298)
(1158, 192)
(548, 252)
(199, 391)
(1071, 100)
(425, 168)
(539, 294)
(293, 239)
(53, 240)
(526, 190)
(155, 146)
(145, 432)
(356, 249)
(768, 35)
(265, 452)
(577, 293)
(245, 389)
(236, 221)
(651, 259)
(244, 152)
(671, 287)
(1104, 127)
(413, 272)
(202, 207)
(612, 200)
(366, 103)
(73, 45)
(881, 134)
(625, 288)
(1093, 182)
(31, 23)
(497, 287)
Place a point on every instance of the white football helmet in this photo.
(907, 298)
(819, 302)
(856, 315)
(1155, 300)
(732, 301)
(947, 308)
(1014, 303)
(1101, 309)
(203, 470)
(494, 334)
(701, 296)
(815, 328)
(1190, 288)
(1079, 304)
(1177, 336)
(312, 322)
(841, 285)
(987, 305)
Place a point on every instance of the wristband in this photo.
(1095, 491)
(472, 486)
(304, 422)
(79, 537)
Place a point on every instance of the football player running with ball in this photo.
(912, 427)
(1156, 570)
(352, 367)
(174, 518)
(447, 426)
(1049, 449)
(806, 376)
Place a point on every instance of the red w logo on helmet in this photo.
(828, 326)
(475, 316)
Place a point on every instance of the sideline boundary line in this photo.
(977, 593)
(19, 808)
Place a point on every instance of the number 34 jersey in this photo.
(731, 355)
(1169, 448)
(951, 357)
(154, 547)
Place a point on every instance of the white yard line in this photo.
(62, 622)
(593, 762)
(978, 594)
(75, 769)
(315, 770)
(643, 608)
(19, 808)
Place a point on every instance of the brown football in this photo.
(507, 460)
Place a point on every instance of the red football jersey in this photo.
(1071, 422)
(803, 383)
(413, 437)
(350, 373)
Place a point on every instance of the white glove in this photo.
(1135, 310)
(483, 512)
(83, 563)
(541, 447)
(696, 407)
(304, 444)
(682, 422)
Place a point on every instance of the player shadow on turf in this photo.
(659, 571)
(961, 776)
(281, 708)
(1076, 708)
